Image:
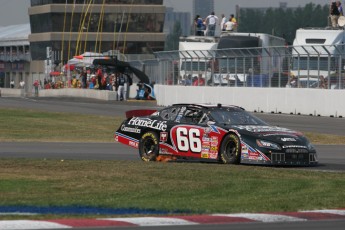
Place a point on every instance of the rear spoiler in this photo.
(139, 113)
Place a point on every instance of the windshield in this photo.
(231, 116)
(302, 63)
(194, 66)
(234, 65)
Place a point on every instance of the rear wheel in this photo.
(230, 150)
(149, 146)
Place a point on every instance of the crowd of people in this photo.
(100, 78)
(207, 26)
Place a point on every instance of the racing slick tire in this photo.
(149, 146)
(230, 150)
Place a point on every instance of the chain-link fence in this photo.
(297, 67)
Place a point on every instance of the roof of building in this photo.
(15, 35)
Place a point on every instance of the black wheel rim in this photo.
(230, 150)
(149, 147)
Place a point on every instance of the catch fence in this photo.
(288, 66)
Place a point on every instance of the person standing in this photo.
(234, 21)
(340, 8)
(12, 83)
(334, 14)
(99, 75)
(22, 84)
(229, 26)
(84, 78)
(222, 23)
(36, 85)
(211, 22)
(199, 26)
(121, 89)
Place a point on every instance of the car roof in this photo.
(208, 106)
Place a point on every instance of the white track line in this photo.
(264, 217)
(29, 224)
(329, 211)
(153, 221)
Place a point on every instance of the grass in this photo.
(193, 187)
(31, 125)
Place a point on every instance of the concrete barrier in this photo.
(8, 92)
(85, 93)
(278, 100)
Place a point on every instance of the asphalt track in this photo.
(331, 157)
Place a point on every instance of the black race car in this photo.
(226, 134)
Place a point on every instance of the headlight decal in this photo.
(267, 144)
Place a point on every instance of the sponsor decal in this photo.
(204, 155)
(133, 144)
(116, 137)
(208, 130)
(180, 114)
(156, 114)
(213, 155)
(294, 146)
(263, 129)
(285, 139)
(163, 136)
(130, 130)
(147, 122)
(214, 143)
(164, 151)
(214, 148)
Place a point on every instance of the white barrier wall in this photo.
(284, 100)
(8, 92)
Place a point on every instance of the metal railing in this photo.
(289, 66)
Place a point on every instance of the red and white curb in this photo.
(175, 220)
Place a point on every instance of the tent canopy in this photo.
(121, 67)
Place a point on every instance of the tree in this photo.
(283, 22)
(173, 38)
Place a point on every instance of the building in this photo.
(14, 54)
(171, 17)
(62, 29)
(203, 7)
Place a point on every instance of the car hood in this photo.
(274, 134)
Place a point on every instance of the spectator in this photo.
(334, 14)
(229, 26)
(199, 26)
(340, 8)
(200, 81)
(12, 83)
(36, 85)
(22, 84)
(188, 80)
(211, 22)
(99, 76)
(322, 82)
(233, 19)
(84, 78)
(122, 84)
(222, 23)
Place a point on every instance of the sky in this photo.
(13, 12)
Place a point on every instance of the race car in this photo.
(203, 132)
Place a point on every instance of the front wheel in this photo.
(149, 146)
(230, 150)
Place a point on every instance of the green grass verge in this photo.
(195, 187)
(31, 125)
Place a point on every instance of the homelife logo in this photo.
(147, 122)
